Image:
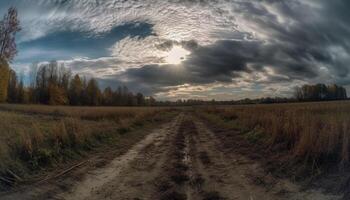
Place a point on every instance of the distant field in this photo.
(36, 136)
(317, 133)
(84, 112)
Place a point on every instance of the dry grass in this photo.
(88, 113)
(33, 137)
(309, 131)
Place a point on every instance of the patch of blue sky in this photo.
(65, 45)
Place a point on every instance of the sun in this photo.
(176, 55)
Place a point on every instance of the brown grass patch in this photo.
(212, 196)
(204, 158)
(308, 142)
(316, 132)
(35, 137)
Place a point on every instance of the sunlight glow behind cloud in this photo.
(176, 55)
(232, 49)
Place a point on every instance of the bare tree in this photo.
(9, 26)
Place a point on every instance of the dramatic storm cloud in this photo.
(191, 49)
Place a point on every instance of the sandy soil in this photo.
(180, 160)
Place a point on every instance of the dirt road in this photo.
(180, 160)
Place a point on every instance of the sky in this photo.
(182, 49)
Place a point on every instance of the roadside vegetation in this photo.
(36, 137)
(310, 136)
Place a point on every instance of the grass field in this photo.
(33, 137)
(314, 133)
(301, 138)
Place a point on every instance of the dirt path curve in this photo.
(128, 176)
(234, 176)
(127, 173)
(87, 181)
(183, 160)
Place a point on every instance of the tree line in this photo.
(53, 84)
(320, 92)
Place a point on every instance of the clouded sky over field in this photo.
(223, 49)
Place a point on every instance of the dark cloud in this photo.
(168, 45)
(262, 42)
(222, 58)
(223, 62)
(296, 50)
(190, 45)
(309, 37)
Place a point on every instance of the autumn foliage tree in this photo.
(4, 79)
(12, 93)
(108, 96)
(76, 91)
(93, 93)
(53, 84)
(9, 26)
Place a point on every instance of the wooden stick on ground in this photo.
(70, 169)
(14, 175)
(6, 180)
(64, 172)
